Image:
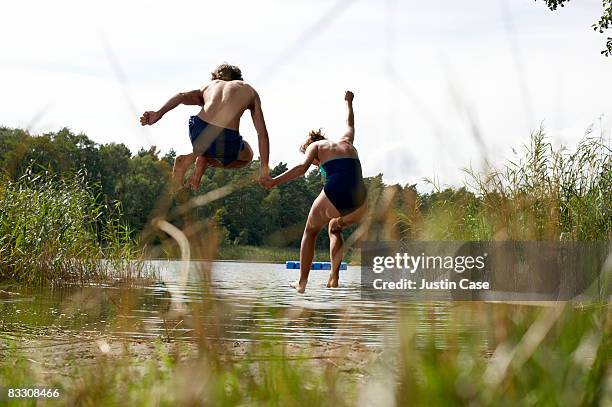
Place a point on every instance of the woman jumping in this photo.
(342, 201)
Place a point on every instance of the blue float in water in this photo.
(316, 265)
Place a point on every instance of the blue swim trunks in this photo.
(213, 141)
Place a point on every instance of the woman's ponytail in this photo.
(313, 135)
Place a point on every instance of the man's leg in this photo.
(335, 254)
(244, 158)
(181, 163)
(321, 212)
(200, 166)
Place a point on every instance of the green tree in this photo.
(141, 187)
(13, 144)
(243, 216)
(63, 154)
(169, 157)
(114, 165)
(603, 24)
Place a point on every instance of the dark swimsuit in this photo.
(344, 183)
(213, 141)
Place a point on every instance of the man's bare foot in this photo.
(194, 181)
(196, 178)
(299, 287)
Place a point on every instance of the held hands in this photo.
(265, 179)
(149, 118)
(266, 182)
(348, 96)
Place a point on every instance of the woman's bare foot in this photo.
(333, 281)
(299, 286)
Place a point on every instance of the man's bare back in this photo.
(225, 102)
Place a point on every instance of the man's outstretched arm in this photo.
(262, 135)
(193, 97)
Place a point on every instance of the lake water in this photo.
(251, 302)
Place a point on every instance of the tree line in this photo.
(251, 215)
(544, 194)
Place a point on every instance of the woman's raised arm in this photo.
(350, 119)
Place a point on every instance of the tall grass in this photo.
(54, 230)
(544, 194)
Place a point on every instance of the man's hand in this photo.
(149, 118)
(348, 96)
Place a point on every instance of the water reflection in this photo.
(246, 301)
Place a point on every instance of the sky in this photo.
(439, 86)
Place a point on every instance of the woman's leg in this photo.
(335, 255)
(336, 241)
(321, 212)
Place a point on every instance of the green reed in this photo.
(55, 230)
(545, 193)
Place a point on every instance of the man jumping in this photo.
(214, 132)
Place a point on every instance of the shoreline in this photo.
(269, 254)
(60, 355)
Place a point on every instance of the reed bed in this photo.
(55, 231)
(543, 193)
